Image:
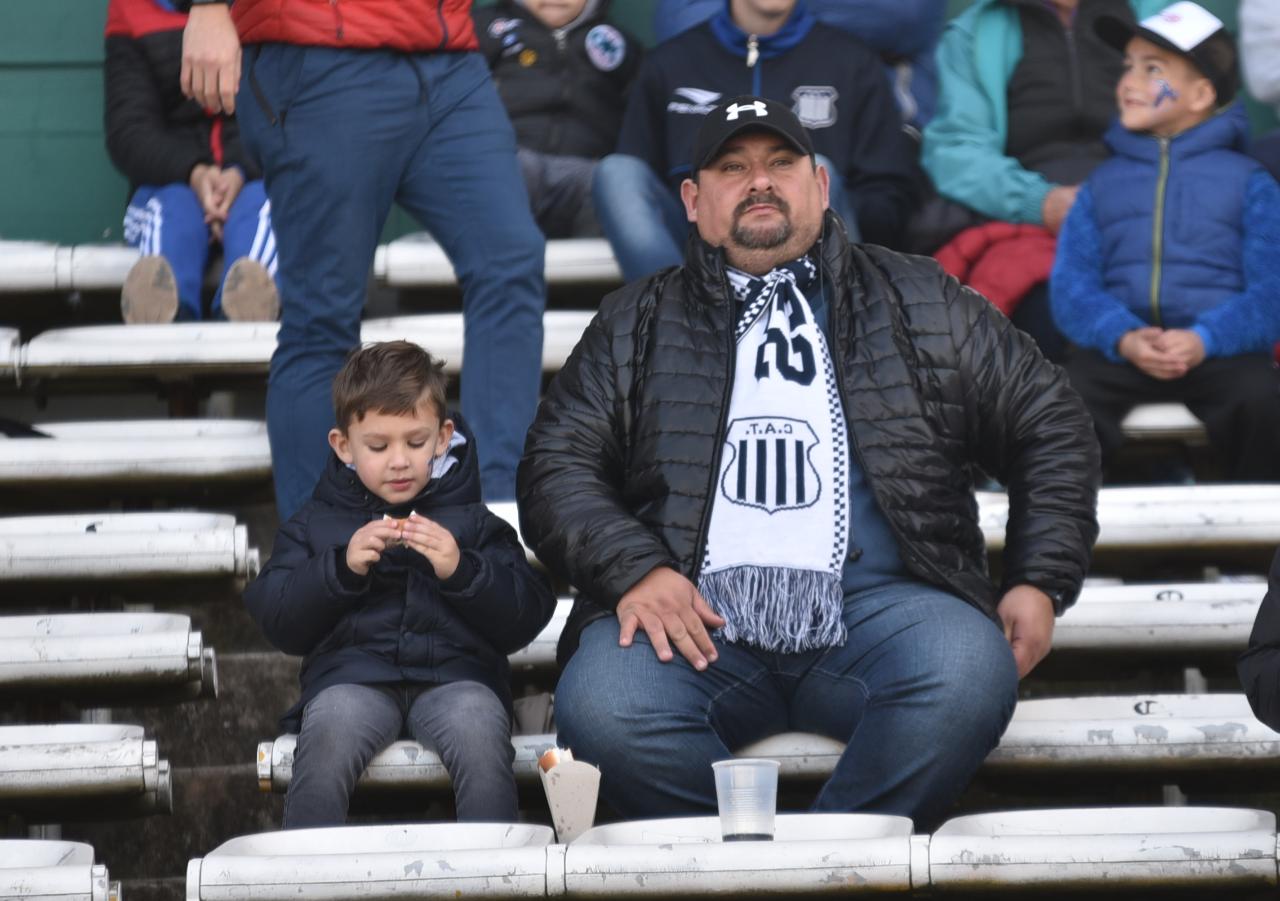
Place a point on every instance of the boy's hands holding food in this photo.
(368, 543)
(434, 542)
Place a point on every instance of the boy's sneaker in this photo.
(150, 292)
(249, 293)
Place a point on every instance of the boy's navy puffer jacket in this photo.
(400, 623)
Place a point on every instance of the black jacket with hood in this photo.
(619, 463)
(399, 623)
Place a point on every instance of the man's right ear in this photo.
(341, 445)
(689, 194)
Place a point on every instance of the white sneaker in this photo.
(249, 293)
(150, 292)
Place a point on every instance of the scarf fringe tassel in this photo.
(776, 608)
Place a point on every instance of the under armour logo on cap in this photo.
(747, 113)
(756, 106)
(1184, 28)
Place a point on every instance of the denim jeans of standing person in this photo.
(341, 135)
(344, 726)
(645, 221)
(922, 691)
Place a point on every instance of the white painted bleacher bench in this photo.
(1158, 518)
(120, 451)
(183, 350)
(1185, 848)
(99, 767)
(144, 656)
(1157, 733)
(44, 870)
(29, 266)
(124, 546)
(411, 261)
(1174, 618)
(415, 261)
(1165, 517)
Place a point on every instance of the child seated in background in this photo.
(563, 73)
(193, 184)
(1167, 279)
(404, 593)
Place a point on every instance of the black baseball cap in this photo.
(1189, 30)
(747, 113)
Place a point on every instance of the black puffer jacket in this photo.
(619, 462)
(1259, 665)
(400, 622)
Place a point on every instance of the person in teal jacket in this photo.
(1026, 92)
(985, 77)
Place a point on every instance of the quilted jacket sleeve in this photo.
(571, 480)
(1030, 429)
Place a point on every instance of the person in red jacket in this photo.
(192, 183)
(349, 106)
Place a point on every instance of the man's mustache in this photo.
(769, 199)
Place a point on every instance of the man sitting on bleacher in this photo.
(790, 526)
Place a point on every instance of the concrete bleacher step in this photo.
(126, 451)
(417, 261)
(1202, 848)
(1154, 733)
(188, 349)
(1172, 516)
(75, 769)
(43, 870)
(436, 860)
(685, 857)
(124, 546)
(140, 657)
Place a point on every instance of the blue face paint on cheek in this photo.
(1166, 92)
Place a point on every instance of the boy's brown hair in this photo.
(390, 377)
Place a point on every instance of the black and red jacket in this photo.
(155, 135)
(411, 26)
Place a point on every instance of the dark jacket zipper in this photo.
(337, 19)
(444, 25)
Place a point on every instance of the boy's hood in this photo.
(1227, 129)
(455, 480)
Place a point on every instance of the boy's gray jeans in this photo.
(344, 726)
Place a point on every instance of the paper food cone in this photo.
(572, 788)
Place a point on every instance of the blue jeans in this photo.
(168, 221)
(341, 134)
(922, 691)
(645, 221)
(344, 726)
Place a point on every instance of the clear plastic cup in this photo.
(747, 795)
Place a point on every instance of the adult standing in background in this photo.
(1260, 59)
(350, 107)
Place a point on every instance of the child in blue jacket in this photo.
(1167, 279)
(405, 595)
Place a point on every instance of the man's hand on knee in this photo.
(211, 58)
(671, 611)
(1027, 614)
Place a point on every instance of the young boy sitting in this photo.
(404, 593)
(562, 72)
(1167, 278)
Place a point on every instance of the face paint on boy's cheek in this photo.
(1165, 92)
